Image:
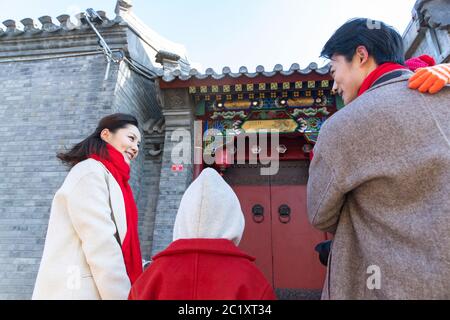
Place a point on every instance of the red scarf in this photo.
(377, 73)
(130, 248)
(420, 62)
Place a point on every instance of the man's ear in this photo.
(362, 54)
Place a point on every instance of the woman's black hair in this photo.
(94, 143)
(382, 42)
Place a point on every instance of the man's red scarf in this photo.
(130, 248)
(377, 74)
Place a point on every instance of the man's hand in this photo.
(431, 79)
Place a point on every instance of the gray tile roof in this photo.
(47, 27)
(243, 71)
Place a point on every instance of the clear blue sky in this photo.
(233, 33)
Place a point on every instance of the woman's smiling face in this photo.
(125, 140)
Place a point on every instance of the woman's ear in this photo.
(105, 135)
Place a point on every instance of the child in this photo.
(204, 262)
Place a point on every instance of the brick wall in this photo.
(147, 203)
(172, 186)
(178, 113)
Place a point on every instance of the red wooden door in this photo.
(295, 262)
(282, 243)
(257, 238)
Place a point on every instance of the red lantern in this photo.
(223, 158)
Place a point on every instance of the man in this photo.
(380, 177)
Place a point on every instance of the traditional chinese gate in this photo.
(277, 230)
(295, 103)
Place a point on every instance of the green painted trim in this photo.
(200, 109)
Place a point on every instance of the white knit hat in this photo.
(209, 209)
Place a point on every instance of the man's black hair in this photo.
(382, 42)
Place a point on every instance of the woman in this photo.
(92, 247)
(203, 262)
